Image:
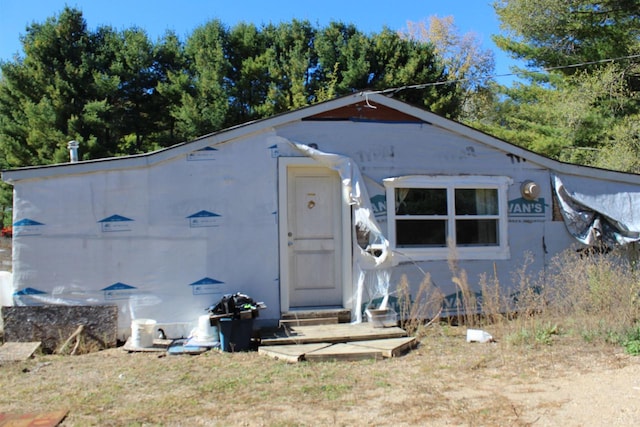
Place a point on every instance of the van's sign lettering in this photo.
(526, 208)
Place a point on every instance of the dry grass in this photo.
(591, 296)
(445, 380)
(565, 328)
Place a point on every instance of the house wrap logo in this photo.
(206, 286)
(523, 208)
(203, 154)
(27, 227)
(204, 219)
(118, 291)
(115, 223)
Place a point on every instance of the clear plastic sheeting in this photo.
(372, 255)
(608, 219)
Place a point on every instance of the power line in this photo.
(601, 61)
(495, 76)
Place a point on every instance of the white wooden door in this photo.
(314, 228)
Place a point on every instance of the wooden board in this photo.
(309, 322)
(342, 352)
(391, 347)
(44, 419)
(341, 332)
(17, 351)
(290, 353)
(343, 315)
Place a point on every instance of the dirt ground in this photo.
(603, 397)
(445, 381)
(581, 396)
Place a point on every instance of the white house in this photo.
(321, 207)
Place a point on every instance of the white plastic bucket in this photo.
(205, 331)
(142, 332)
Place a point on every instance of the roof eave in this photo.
(246, 129)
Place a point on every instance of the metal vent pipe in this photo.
(73, 150)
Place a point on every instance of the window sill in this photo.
(404, 255)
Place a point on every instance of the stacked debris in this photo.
(236, 306)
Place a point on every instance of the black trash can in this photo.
(235, 334)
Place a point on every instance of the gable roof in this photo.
(362, 106)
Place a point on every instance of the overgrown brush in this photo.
(594, 295)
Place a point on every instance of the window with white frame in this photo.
(429, 216)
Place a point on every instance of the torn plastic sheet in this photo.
(372, 256)
(600, 219)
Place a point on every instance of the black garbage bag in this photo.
(232, 305)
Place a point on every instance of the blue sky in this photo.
(157, 16)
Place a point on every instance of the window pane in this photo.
(421, 201)
(483, 232)
(477, 201)
(421, 233)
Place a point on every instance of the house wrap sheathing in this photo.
(327, 206)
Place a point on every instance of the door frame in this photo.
(343, 245)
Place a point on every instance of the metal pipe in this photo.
(73, 150)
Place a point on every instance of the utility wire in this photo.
(495, 76)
